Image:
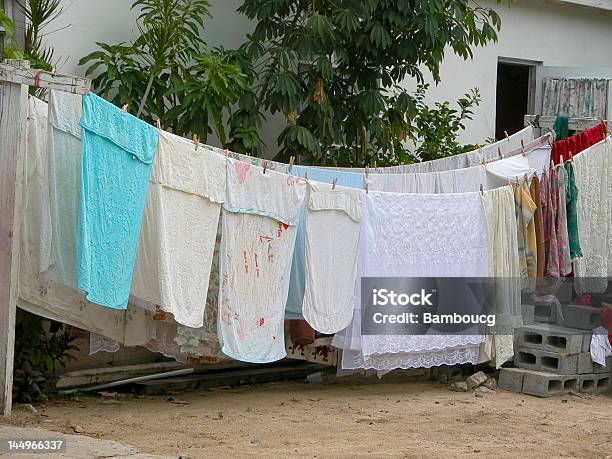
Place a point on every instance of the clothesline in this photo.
(229, 243)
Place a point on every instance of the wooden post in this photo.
(15, 78)
(13, 113)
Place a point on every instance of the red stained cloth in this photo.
(577, 143)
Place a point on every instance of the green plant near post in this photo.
(38, 353)
(434, 129)
(167, 72)
(12, 49)
(334, 69)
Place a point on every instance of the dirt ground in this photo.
(395, 417)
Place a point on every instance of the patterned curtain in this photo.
(575, 97)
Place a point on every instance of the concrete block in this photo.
(528, 313)
(550, 338)
(542, 384)
(552, 362)
(595, 383)
(585, 364)
(564, 292)
(586, 342)
(607, 368)
(582, 317)
(511, 379)
(545, 312)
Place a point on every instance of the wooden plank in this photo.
(42, 79)
(13, 113)
(599, 4)
(574, 124)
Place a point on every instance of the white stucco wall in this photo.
(551, 32)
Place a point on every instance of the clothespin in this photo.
(291, 161)
(570, 155)
(552, 164)
(499, 153)
(334, 183)
(226, 151)
(367, 173)
(530, 123)
(125, 108)
(507, 136)
(481, 190)
(265, 165)
(158, 123)
(306, 176)
(561, 160)
(374, 164)
(523, 148)
(196, 141)
(526, 179)
(517, 182)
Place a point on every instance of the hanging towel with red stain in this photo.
(259, 221)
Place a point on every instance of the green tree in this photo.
(434, 129)
(334, 69)
(11, 50)
(167, 72)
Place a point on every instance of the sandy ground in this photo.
(395, 417)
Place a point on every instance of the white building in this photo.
(534, 34)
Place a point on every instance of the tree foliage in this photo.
(167, 72)
(434, 129)
(11, 50)
(334, 69)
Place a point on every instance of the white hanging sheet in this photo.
(179, 229)
(414, 235)
(332, 236)
(593, 175)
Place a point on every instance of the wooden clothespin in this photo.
(526, 179)
(499, 153)
(158, 123)
(507, 136)
(561, 159)
(265, 165)
(524, 153)
(226, 151)
(481, 190)
(552, 164)
(196, 141)
(570, 155)
(375, 164)
(367, 173)
(517, 182)
(306, 176)
(291, 161)
(334, 183)
(125, 108)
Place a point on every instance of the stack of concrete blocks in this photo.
(553, 354)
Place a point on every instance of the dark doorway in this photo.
(512, 98)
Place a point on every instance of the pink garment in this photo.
(549, 194)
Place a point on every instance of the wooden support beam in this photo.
(13, 114)
(574, 124)
(40, 79)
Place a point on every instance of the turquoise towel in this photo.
(118, 153)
